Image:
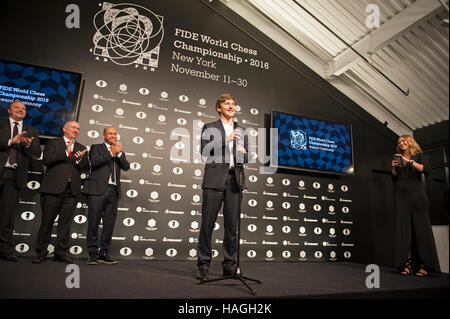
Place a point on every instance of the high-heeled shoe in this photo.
(421, 272)
(406, 269)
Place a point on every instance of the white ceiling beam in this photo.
(424, 97)
(413, 15)
(393, 99)
(369, 103)
(254, 17)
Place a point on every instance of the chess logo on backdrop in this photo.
(80, 219)
(126, 251)
(135, 166)
(33, 185)
(97, 108)
(173, 224)
(129, 222)
(101, 83)
(171, 252)
(251, 254)
(27, 215)
(22, 248)
(76, 250)
(128, 34)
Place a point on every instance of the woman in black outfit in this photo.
(416, 250)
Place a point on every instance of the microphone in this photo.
(240, 141)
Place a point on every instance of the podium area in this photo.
(131, 279)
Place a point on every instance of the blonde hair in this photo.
(414, 147)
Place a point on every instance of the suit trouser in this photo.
(101, 207)
(9, 197)
(52, 205)
(212, 202)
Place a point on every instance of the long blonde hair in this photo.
(414, 147)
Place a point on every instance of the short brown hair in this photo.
(223, 98)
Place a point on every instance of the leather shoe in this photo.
(10, 257)
(202, 274)
(105, 259)
(228, 271)
(92, 259)
(39, 259)
(63, 259)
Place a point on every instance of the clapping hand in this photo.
(116, 148)
(19, 137)
(26, 141)
(78, 155)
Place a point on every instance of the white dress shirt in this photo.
(66, 140)
(229, 128)
(20, 127)
(117, 155)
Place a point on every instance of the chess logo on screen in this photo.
(128, 34)
(298, 139)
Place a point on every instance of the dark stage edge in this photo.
(176, 280)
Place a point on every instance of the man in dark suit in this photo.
(65, 160)
(225, 149)
(18, 143)
(103, 190)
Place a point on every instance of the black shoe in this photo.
(202, 273)
(92, 259)
(10, 257)
(228, 271)
(63, 258)
(39, 259)
(105, 259)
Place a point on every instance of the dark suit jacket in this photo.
(23, 153)
(217, 165)
(100, 158)
(60, 166)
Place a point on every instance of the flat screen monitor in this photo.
(50, 95)
(311, 144)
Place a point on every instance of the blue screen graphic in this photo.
(311, 144)
(50, 95)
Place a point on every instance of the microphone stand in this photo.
(237, 274)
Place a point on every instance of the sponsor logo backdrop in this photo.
(156, 77)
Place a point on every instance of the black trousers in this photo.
(9, 198)
(413, 227)
(212, 203)
(52, 205)
(101, 207)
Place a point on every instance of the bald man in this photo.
(65, 160)
(19, 143)
(103, 191)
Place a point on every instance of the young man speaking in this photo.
(225, 150)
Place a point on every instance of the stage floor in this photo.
(176, 280)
